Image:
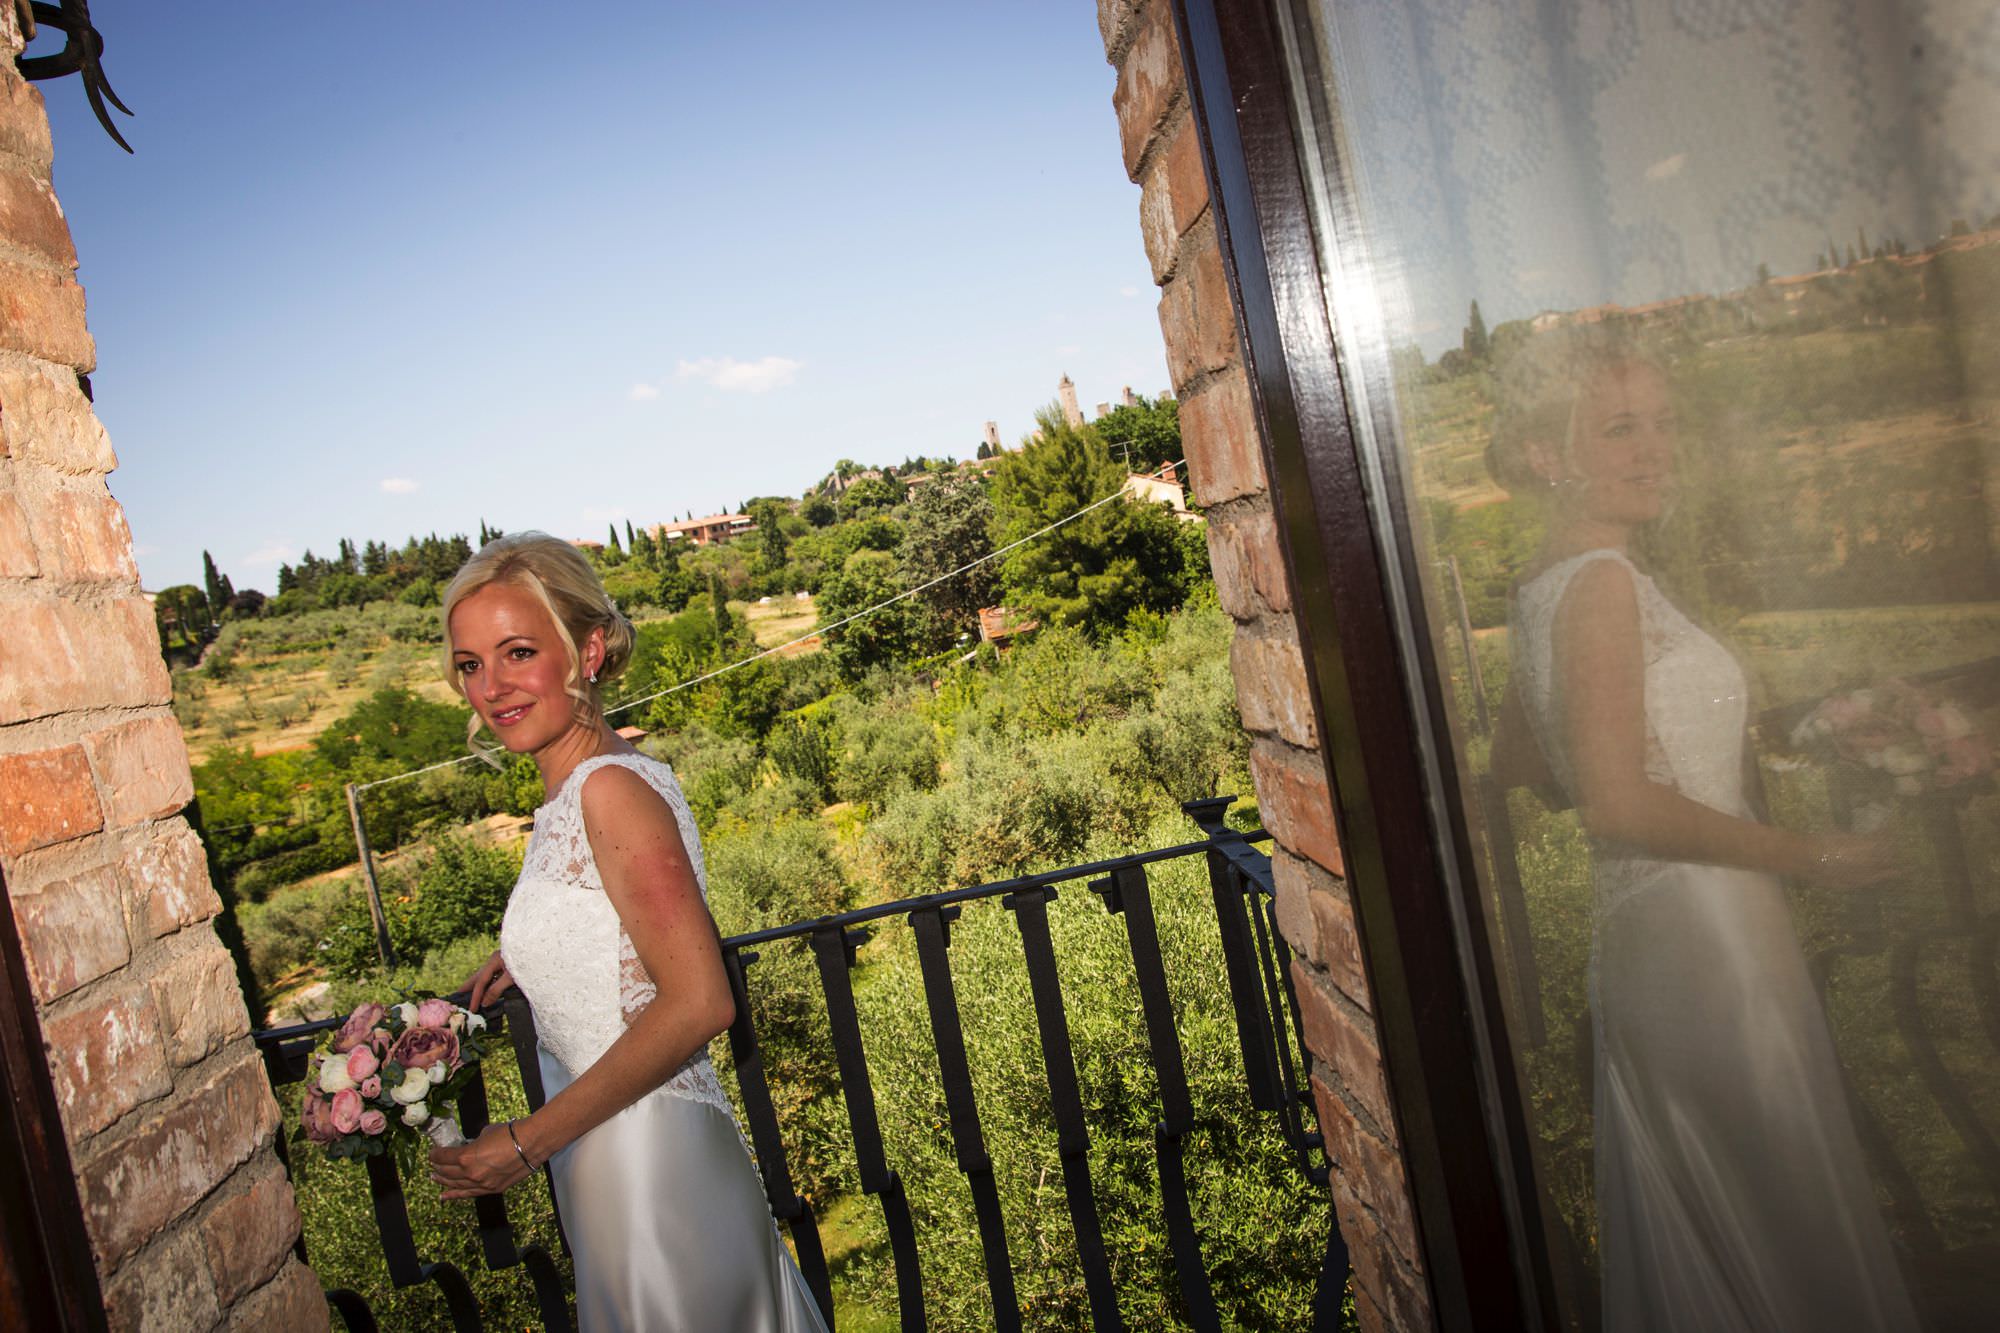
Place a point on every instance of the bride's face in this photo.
(513, 666)
(1619, 464)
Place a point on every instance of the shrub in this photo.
(806, 747)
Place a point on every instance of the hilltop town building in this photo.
(1066, 394)
(704, 531)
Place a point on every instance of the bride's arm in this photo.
(650, 880)
(1601, 702)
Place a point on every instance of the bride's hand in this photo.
(1851, 860)
(487, 1165)
(489, 983)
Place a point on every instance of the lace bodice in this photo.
(1697, 702)
(564, 944)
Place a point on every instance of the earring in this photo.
(592, 678)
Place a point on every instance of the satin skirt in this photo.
(668, 1225)
(1731, 1187)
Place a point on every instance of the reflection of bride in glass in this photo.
(1731, 1190)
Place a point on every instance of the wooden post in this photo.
(385, 950)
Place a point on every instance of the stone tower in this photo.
(993, 436)
(1066, 392)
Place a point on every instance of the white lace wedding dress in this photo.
(666, 1220)
(1731, 1189)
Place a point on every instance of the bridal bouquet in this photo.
(390, 1069)
(1905, 740)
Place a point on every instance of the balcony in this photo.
(1164, 1274)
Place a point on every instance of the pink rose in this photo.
(380, 1039)
(434, 1013)
(373, 1122)
(361, 1062)
(371, 1087)
(422, 1047)
(346, 1114)
(316, 1117)
(355, 1030)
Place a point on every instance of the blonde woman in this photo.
(1731, 1189)
(608, 934)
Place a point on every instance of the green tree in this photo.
(215, 584)
(1474, 341)
(1096, 570)
(1143, 435)
(870, 495)
(950, 525)
(612, 547)
(772, 543)
(819, 511)
(396, 726)
(892, 634)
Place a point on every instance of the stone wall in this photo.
(1227, 472)
(164, 1101)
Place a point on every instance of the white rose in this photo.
(438, 1073)
(408, 1013)
(333, 1076)
(416, 1086)
(416, 1113)
(457, 1021)
(475, 1022)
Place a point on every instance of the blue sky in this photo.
(379, 270)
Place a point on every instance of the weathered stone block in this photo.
(1271, 689)
(1317, 917)
(17, 544)
(64, 655)
(41, 314)
(48, 420)
(1156, 223)
(84, 532)
(72, 931)
(248, 1235)
(1219, 431)
(134, 1188)
(1343, 1041)
(1248, 563)
(143, 765)
(292, 1301)
(1373, 1168)
(164, 1290)
(32, 220)
(201, 1007)
(24, 122)
(46, 797)
(1187, 181)
(106, 1059)
(168, 876)
(1390, 1296)
(1149, 83)
(1293, 798)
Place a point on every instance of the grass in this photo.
(780, 620)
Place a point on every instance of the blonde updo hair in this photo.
(1536, 390)
(568, 588)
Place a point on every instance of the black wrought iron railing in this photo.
(1257, 966)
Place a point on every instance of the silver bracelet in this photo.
(518, 1150)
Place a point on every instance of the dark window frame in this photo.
(1403, 828)
(48, 1279)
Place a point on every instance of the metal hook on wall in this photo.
(83, 50)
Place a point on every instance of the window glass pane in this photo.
(1678, 326)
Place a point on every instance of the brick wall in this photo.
(1226, 469)
(164, 1101)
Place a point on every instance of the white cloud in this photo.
(640, 393)
(733, 376)
(268, 556)
(1667, 167)
(398, 486)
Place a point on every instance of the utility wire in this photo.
(790, 643)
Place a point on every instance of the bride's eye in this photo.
(465, 667)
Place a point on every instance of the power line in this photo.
(814, 633)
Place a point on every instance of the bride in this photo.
(608, 934)
(1731, 1189)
